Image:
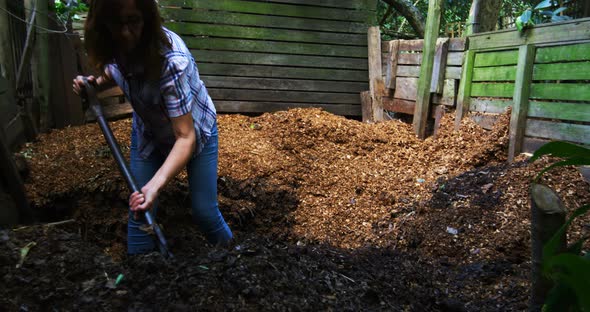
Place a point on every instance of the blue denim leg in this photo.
(139, 241)
(202, 175)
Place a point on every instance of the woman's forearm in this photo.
(177, 159)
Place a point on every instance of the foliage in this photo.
(67, 9)
(546, 11)
(569, 270)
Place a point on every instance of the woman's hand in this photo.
(144, 200)
(78, 85)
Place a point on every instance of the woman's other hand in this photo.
(78, 85)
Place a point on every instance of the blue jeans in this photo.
(202, 178)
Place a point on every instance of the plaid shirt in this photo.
(178, 92)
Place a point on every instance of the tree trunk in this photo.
(411, 13)
(483, 16)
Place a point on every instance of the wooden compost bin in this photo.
(542, 74)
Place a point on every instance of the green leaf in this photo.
(560, 149)
(559, 10)
(519, 24)
(576, 248)
(559, 298)
(574, 271)
(526, 16)
(544, 4)
(550, 248)
(560, 18)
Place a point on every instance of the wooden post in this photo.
(40, 63)
(548, 215)
(375, 72)
(391, 65)
(440, 63)
(7, 62)
(522, 90)
(423, 97)
(367, 106)
(464, 94)
(11, 180)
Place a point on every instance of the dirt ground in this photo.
(328, 213)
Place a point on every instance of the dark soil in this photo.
(328, 213)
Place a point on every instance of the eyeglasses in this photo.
(132, 22)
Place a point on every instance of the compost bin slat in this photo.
(247, 19)
(278, 9)
(269, 71)
(248, 45)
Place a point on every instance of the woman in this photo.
(174, 119)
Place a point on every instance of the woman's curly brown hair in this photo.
(100, 45)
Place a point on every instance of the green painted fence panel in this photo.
(503, 90)
(561, 91)
(560, 110)
(501, 73)
(572, 52)
(562, 71)
(500, 58)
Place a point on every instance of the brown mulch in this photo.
(328, 213)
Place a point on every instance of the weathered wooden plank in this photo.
(530, 145)
(568, 53)
(366, 106)
(423, 104)
(227, 44)
(562, 71)
(347, 4)
(485, 121)
(269, 8)
(399, 106)
(283, 84)
(455, 58)
(449, 94)
(376, 83)
(489, 106)
(522, 89)
(492, 90)
(391, 67)
(282, 72)
(411, 45)
(408, 71)
(574, 30)
(404, 106)
(463, 96)
(283, 96)
(496, 58)
(409, 58)
(260, 33)
(113, 111)
(500, 73)
(561, 91)
(261, 107)
(560, 110)
(244, 19)
(558, 131)
(457, 44)
(453, 72)
(406, 88)
(278, 59)
(438, 67)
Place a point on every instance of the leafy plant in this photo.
(67, 9)
(546, 11)
(569, 270)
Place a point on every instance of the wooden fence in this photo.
(542, 74)
(259, 56)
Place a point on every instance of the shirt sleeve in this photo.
(175, 85)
